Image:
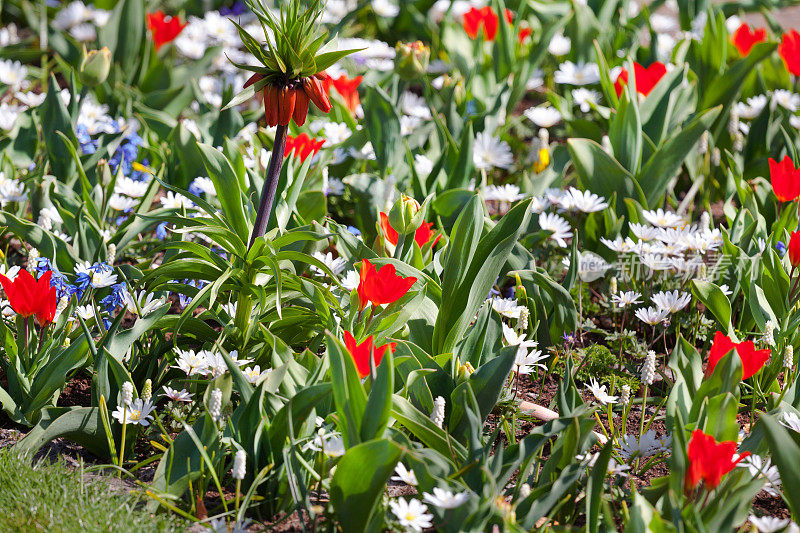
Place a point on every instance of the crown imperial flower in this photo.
(291, 74)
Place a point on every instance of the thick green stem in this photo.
(270, 184)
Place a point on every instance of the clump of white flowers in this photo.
(437, 416)
(649, 368)
(788, 357)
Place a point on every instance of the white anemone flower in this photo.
(404, 475)
(583, 201)
(663, 219)
(137, 413)
(445, 499)
(651, 315)
(543, 116)
(601, 393)
(490, 152)
(585, 98)
(569, 73)
(768, 524)
(412, 514)
(672, 301)
(791, 421)
(624, 299)
(177, 395)
(560, 228)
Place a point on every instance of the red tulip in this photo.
(302, 145)
(785, 179)
(709, 460)
(348, 89)
(485, 18)
(360, 352)
(789, 50)
(382, 286)
(752, 360)
(421, 236)
(31, 297)
(163, 27)
(646, 78)
(794, 248)
(744, 38)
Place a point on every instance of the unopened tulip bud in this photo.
(412, 60)
(403, 215)
(793, 249)
(95, 67)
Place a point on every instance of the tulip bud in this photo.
(794, 249)
(411, 60)
(403, 216)
(95, 66)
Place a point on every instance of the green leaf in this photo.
(379, 404)
(472, 267)
(594, 489)
(81, 425)
(785, 454)
(625, 131)
(226, 184)
(124, 34)
(602, 174)
(55, 118)
(383, 125)
(715, 300)
(666, 161)
(355, 495)
(348, 393)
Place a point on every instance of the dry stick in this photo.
(545, 414)
(270, 184)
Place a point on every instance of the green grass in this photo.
(56, 498)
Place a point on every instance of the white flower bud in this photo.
(33, 260)
(738, 142)
(612, 285)
(239, 464)
(649, 368)
(63, 302)
(544, 137)
(524, 490)
(605, 142)
(716, 157)
(111, 254)
(522, 321)
(127, 393)
(769, 330)
(702, 146)
(438, 411)
(625, 395)
(788, 357)
(215, 404)
(733, 123)
(147, 390)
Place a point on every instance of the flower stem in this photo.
(270, 184)
(122, 441)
